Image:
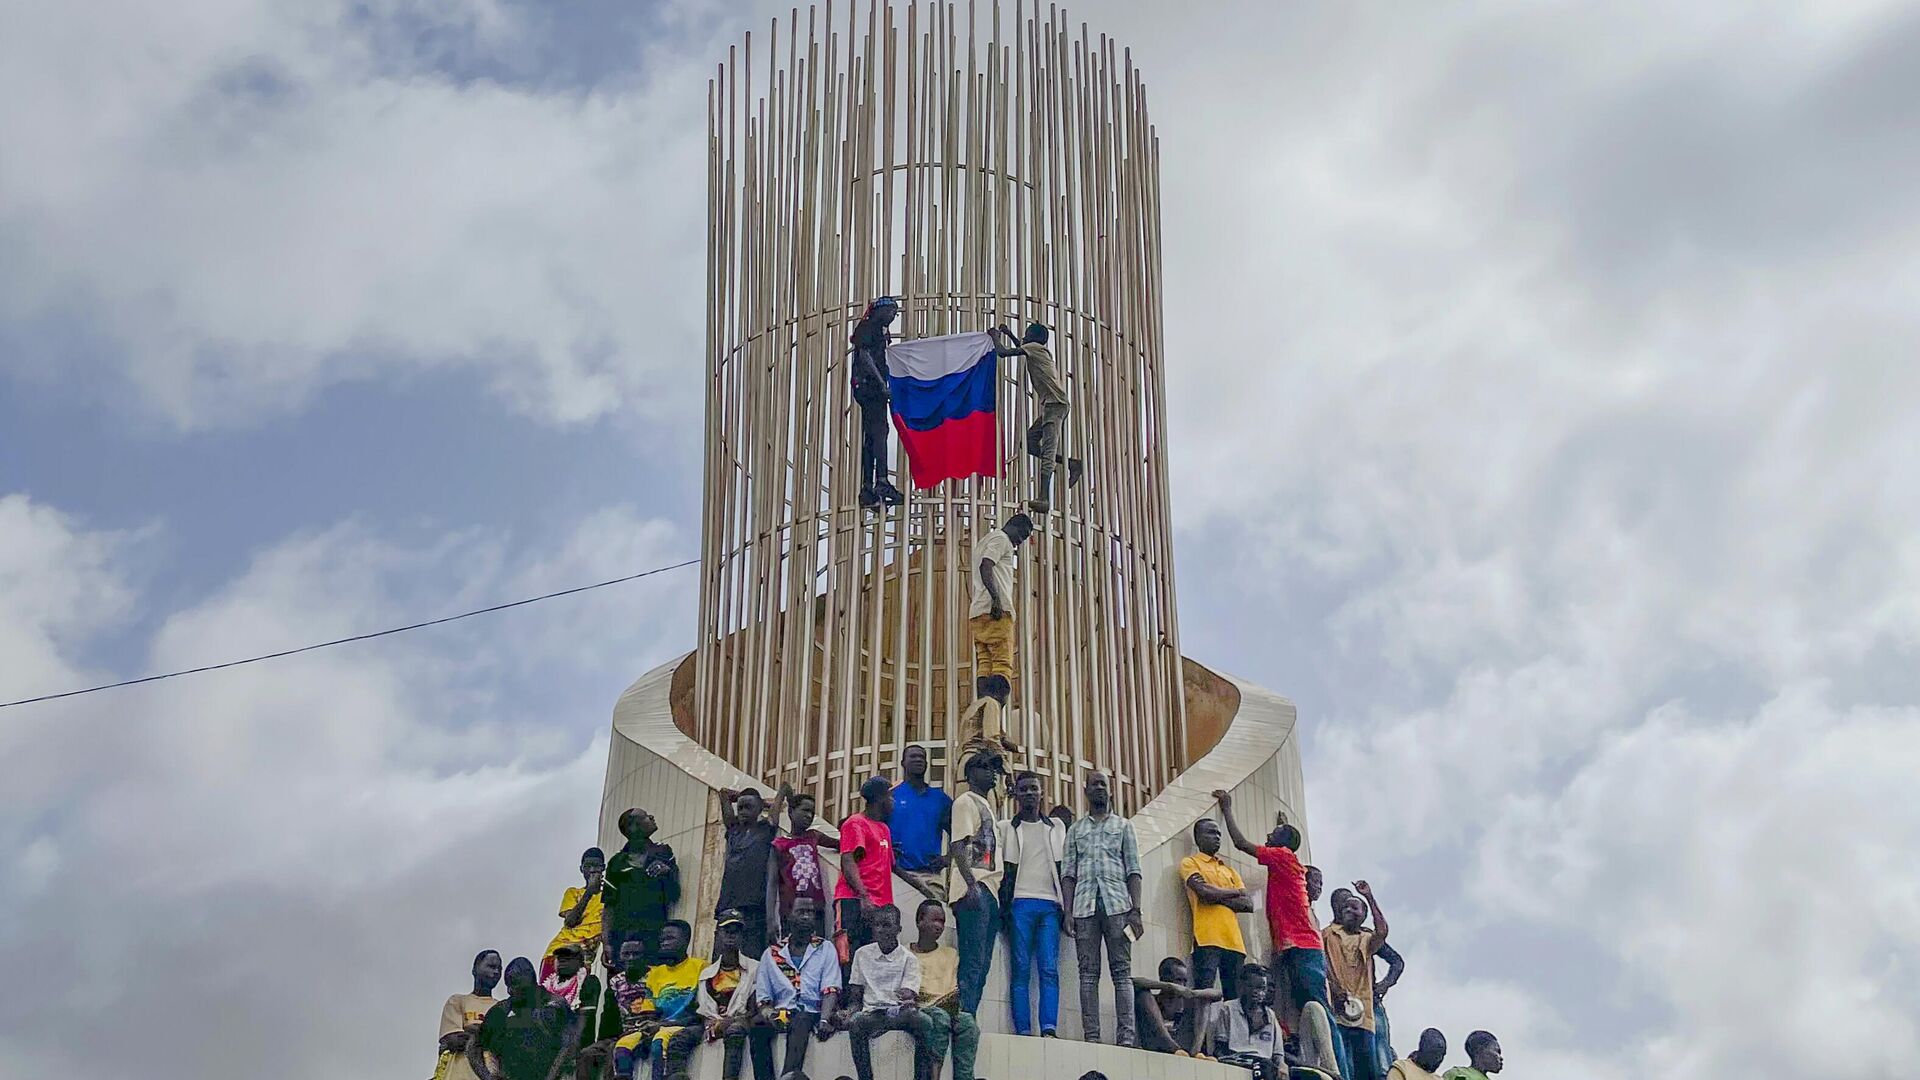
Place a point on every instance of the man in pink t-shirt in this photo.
(866, 862)
(1298, 958)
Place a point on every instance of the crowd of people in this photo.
(799, 960)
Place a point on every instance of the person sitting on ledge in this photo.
(462, 1015)
(797, 982)
(581, 912)
(948, 1026)
(1483, 1057)
(1424, 1063)
(1245, 1032)
(921, 815)
(529, 1036)
(1168, 1011)
(886, 981)
(670, 1028)
(726, 988)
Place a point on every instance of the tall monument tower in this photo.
(987, 167)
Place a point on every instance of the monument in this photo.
(986, 164)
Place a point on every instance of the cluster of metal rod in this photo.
(891, 154)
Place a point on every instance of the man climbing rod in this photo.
(1050, 399)
(870, 382)
(990, 623)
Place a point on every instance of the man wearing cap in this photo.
(866, 862)
(869, 378)
(974, 878)
(1050, 400)
(990, 625)
(726, 989)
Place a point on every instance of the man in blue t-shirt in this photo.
(921, 813)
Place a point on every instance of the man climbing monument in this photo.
(1050, 401)
(870, 378)
(990, 623)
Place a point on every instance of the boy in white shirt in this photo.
(887, 977)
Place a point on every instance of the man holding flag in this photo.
(1050, 398)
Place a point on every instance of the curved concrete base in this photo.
(652, 763)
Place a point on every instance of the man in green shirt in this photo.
(1483, 1057)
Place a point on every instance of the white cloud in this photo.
(249, 201)
(310, 827)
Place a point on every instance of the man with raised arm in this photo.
(1298, 957)
(1100, 876)
(1217, 897)
(990, 625)
(1050, 408)
(1351, 946)
(745, 877)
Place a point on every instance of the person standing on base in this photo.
(802, 874)
(1050, 402)
(1100, 877)
(866, 862)
(872, 392)
(1217, 896)
(744, 878)
(1298, 955)
(1032, 845)
(1351, 946)
(973, 881)
(641, 886)
(990, 625)
(921, 814)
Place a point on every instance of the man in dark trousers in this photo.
(1100, 874)
(640, 889)
(870, 385)
(1050, 405)
(747, 879)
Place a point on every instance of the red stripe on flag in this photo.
(955, 450)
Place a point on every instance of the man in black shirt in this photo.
(745, 881)
(640, 889)
(529, 1036)
(871, 391)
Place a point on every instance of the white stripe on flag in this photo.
(937, 357)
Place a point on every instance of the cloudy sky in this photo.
(1545, 407)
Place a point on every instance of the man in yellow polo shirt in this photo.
(1217, 896)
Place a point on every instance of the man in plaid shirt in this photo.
(1100, 886)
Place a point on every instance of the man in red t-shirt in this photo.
(866, 862)
(1298, 954)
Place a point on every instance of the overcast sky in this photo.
(1545, 408)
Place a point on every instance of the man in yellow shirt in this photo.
(1424, 1063)
(1217, 896)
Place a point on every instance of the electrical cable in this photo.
(349, 640)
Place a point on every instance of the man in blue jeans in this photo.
(973, 861)
(1032, 845)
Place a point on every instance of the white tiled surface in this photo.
(653, 765)
(1001, 1057)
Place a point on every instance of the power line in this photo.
(351, 640)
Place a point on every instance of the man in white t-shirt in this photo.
(1032, 845)
(990, 625)
(887, 975)
(973, 881)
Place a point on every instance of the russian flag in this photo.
(943, 406)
